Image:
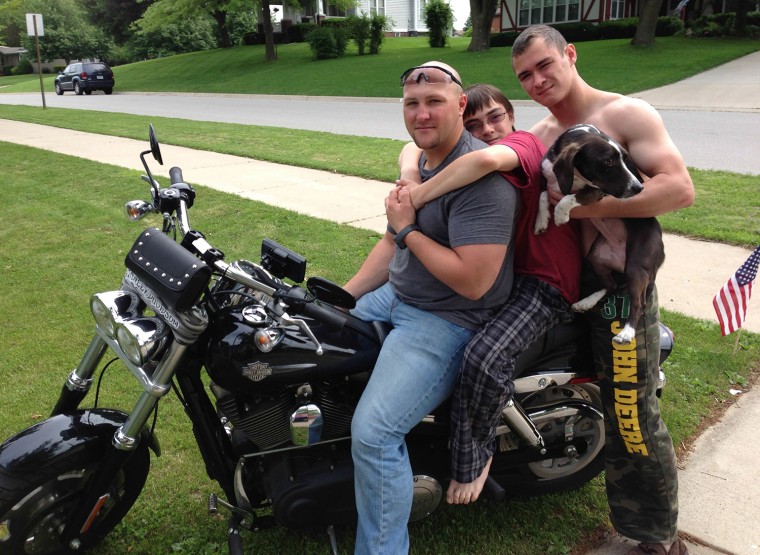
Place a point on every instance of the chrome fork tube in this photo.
(80, 379)
(127, 436)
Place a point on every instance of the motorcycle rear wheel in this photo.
(35, 504)
(561, 473)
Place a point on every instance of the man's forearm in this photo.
(374, 271)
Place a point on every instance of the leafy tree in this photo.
(11, 16)
(166, 12)
(68, 32)
(116, 16)
(189, 35)
(645, 31)
(439, 19)
(482, 13)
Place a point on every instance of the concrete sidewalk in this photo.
(719, 495)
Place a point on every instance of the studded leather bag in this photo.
(175, 274)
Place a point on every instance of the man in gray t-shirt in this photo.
(436, 276)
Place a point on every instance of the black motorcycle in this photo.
(287, 366)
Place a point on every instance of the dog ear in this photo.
(564, 168)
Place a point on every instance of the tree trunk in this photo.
(647, 23)
(481, 15)
(222, 31)
(740, 21)
(266, 20)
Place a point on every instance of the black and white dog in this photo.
(584, 164)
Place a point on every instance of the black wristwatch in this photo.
(401, 235)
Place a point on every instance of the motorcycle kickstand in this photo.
(333, 541)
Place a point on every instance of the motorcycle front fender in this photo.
(42, 443)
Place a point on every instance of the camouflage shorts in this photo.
(641, 474)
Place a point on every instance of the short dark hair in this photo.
(551, 37)
(481, 94)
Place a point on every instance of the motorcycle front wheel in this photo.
(35, 504)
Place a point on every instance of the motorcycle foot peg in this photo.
(493, 490)
(213, 504)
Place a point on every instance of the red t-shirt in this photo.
(554, 256)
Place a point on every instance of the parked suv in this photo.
(85, 77)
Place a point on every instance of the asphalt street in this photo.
(723, 140)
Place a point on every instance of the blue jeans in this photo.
(415, 372)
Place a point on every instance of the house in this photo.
(515, 15)
(10, 56)
(407, 17)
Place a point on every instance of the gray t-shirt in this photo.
(482, 213)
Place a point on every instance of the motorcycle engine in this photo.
(265, 419)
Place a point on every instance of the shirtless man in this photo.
(641, 476)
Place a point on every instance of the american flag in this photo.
(731, 301)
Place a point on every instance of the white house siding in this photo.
(404, 15)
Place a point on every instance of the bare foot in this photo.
(462, 494)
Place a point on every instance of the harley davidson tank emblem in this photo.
(257, 371)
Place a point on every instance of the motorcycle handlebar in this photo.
(332, 319)
(315, 311)
(175, 175)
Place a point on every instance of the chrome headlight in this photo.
(141, 338)
(113, 307)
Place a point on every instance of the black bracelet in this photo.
(401, 235)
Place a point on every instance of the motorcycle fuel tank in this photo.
(236, 362)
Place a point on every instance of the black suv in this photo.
(85, 77)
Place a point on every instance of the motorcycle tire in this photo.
(565, 473)
(34, 504)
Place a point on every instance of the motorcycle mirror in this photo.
(327, 291)
(154, 147)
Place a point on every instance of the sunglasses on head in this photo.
(432, 75)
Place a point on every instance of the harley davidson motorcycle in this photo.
(286, 366)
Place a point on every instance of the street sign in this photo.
(31, 28)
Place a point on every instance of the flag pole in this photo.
(736, 343)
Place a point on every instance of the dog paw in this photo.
(589, 302)
(540, 226)
(561, 216)
(625, 336)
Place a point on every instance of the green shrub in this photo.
(617, 28)
(439, 19)
(322, 43)
(337, 23)
(251, 38)
(360, 31)
(299, 31)
(507, 38)
(342, 36)
(668, 25)
(377, 26)
(721, 24)
(24, 66)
